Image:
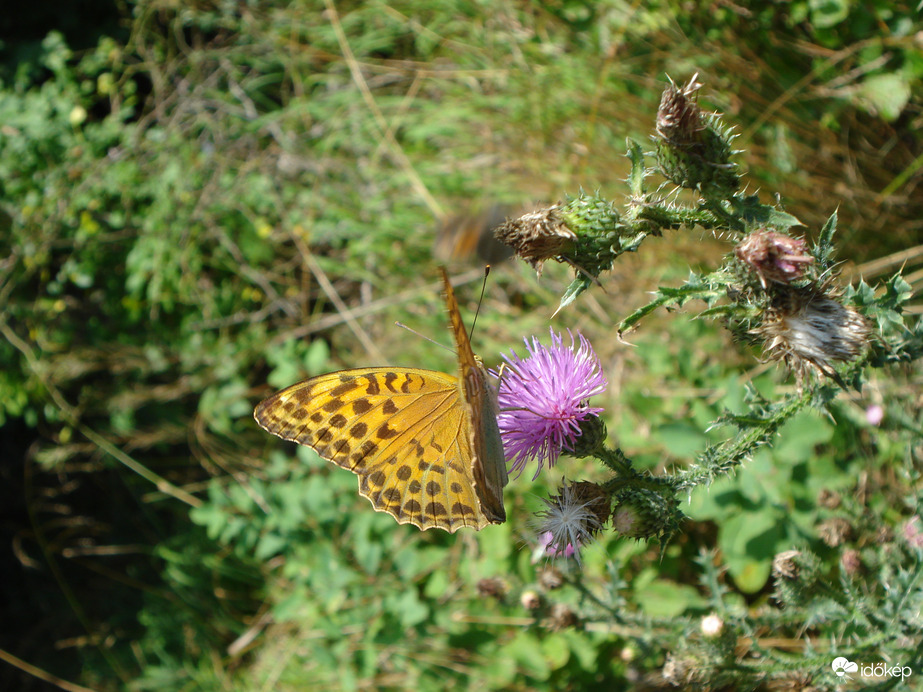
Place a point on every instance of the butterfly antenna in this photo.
(480, 300)
(423, 336)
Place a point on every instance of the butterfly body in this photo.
(425, 444)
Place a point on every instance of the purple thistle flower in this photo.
(547, 547)
(543, 399)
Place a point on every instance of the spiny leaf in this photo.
(750, 210)
(823, 250)
(577, 286)
(636, 177)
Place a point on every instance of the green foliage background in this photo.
(210, 200)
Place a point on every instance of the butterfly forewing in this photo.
(403, 432)
(488, 464)
(425, 445)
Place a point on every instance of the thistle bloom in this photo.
(913, 533)
(543, 399)
(774, 256)
(874, 414)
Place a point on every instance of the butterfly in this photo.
(425, 444)
(469, 236)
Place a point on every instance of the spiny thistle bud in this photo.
(599, 233)
(774, 256)
(809, 329)
(796, 576)
(685, 668)
(584, 231)
(644, 513)
(694, 148)
(592, 435)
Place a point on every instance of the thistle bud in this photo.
(592, 435)
(829, 499)
(594, 497)
(774, 256)
(685, 669)
(851, 563)
(584, 232)
(644, 513)
(693, 148)
(796, 576)
(550, 578)
(599, 233)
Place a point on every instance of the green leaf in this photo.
(750, 575)
(501, 671)
(556, 650)
(885, 95)
(580, 283)
(317, 357)
(828, 13)
(752, 212)
(410, 609)
(636, 176)
(437, 585)
(526, 650)
(800, 436)
(824, 249)
(270, 544)
(663, 598)
(749, 541)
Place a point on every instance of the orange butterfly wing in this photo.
(424, 444)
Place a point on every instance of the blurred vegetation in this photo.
(200, 202)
